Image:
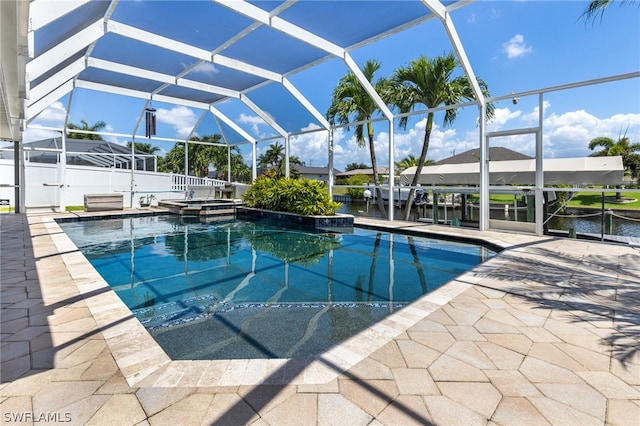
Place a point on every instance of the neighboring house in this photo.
(383, 173)
(473, 156)
(315, 173)
(85, 152)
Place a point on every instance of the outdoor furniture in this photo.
(103, 202)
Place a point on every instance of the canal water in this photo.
(623, 223)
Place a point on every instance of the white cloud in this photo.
(206, 68)
(311, 147)
(254, 121)
(516, 47)
(54, 114)
(35, 133)
(569, 134)
(501, 116)
(181, 118)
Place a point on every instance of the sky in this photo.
(515, 46)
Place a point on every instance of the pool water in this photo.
(232, 289)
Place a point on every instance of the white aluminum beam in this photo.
(187, 49)
(43, 103)
(69, 47)
(246, 68)
(209, 88)
(90, 85)
(51, 83)
(305, 103)
(138, 94)
(267, 119)
(160, 77)
(43, 12)
(157, 40)
(353, 67)
(277, 23)
(217, 113)
(129, 70)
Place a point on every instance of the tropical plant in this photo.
(622, 147)
(274, 159)
(410, 161)
(96, 127)
(356, 166)
(144, 147)
(350, 102)
(305, 197)
(201, 156)
(597, 7)
(432, 83)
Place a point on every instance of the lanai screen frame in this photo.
(57, 71)
(59, 77)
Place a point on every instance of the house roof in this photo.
(311, 170)
(381, 170)
(495, 154)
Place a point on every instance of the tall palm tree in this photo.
(432, 83)
(351, 102)
(622, 147)
(85, 126)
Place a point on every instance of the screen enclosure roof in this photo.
(197, 54)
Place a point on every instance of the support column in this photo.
(484, 171)
(331, 177)
(391, 172)
(539, 171)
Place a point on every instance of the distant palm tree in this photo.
(274, 159)
(144, 147)
(431, 83)
(597, 7)
(622, 147)
(272, 156)
(85, 126)
(411, 161)
(351, 102)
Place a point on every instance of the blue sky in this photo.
(515, 46)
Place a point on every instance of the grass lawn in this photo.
(594, 200)
(581, 200)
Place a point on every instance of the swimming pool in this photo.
(232, 289)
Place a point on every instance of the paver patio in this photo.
(546, 332)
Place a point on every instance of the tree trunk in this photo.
(423, 157)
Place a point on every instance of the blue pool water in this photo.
(242, 289)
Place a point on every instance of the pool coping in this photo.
(144, 363)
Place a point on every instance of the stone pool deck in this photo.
(547, 332)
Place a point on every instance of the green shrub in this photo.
(300, 196)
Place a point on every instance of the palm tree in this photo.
(597, 7)
(622, 147)
(85, 126)
(351, 102)
(431, 83)
(274, 157)
(144, 147)
(411, 161)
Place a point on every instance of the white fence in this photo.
(45, 188)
